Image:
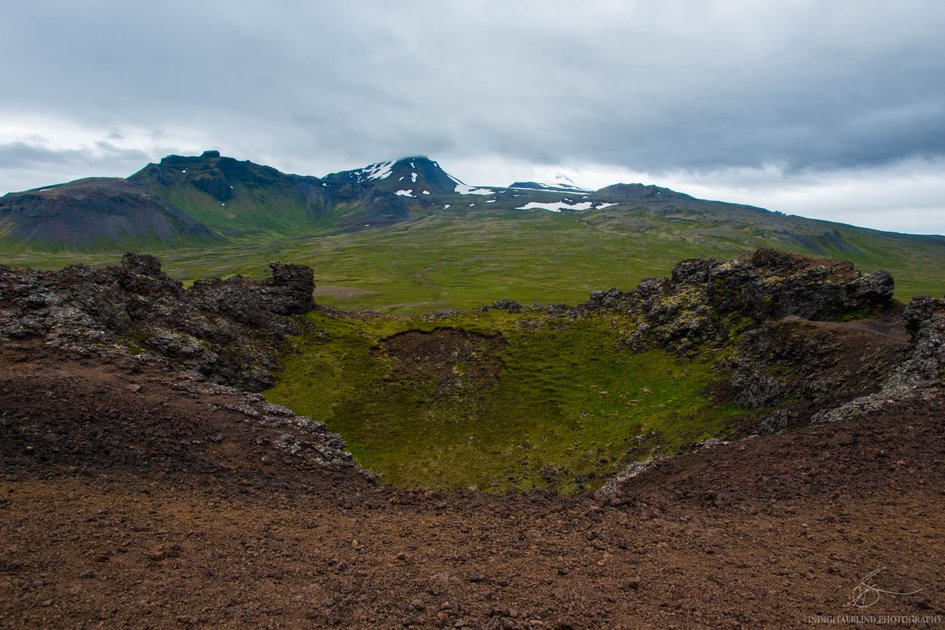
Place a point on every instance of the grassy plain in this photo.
(458, 259)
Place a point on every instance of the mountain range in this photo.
(211, 197)
(412, 211)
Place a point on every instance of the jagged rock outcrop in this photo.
(228, 330)
(814, 341)
(288, 291)
(705, 299)
(925, 320)
(797, 367)
(801, 345)
(921, 375)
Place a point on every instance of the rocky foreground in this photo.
(143, 486)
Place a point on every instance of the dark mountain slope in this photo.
(640, 192)
(389, 192)
(96, 212)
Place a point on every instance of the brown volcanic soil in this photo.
(126, 502)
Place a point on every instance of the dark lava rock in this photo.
(795, 350)
(704, 299)
(214, 183)
(802, 366)
(288, 291)
(505, 304)
(925, 321)
(229, 330)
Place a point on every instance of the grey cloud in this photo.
(24, 166)
(656, 87)
(632, 82)
(20, 154)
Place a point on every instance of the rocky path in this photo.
(130, 498)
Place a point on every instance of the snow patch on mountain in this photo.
(557, 206)
(463, 189)
(381, 170)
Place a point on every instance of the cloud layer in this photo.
(801, 98)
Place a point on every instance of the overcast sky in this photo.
(833, 109)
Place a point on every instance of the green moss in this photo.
(860, 313)
(563, 406)
(133, 342)
(737, 323)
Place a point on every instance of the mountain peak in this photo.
(413, 176)
(219, 177)
(566, 183)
